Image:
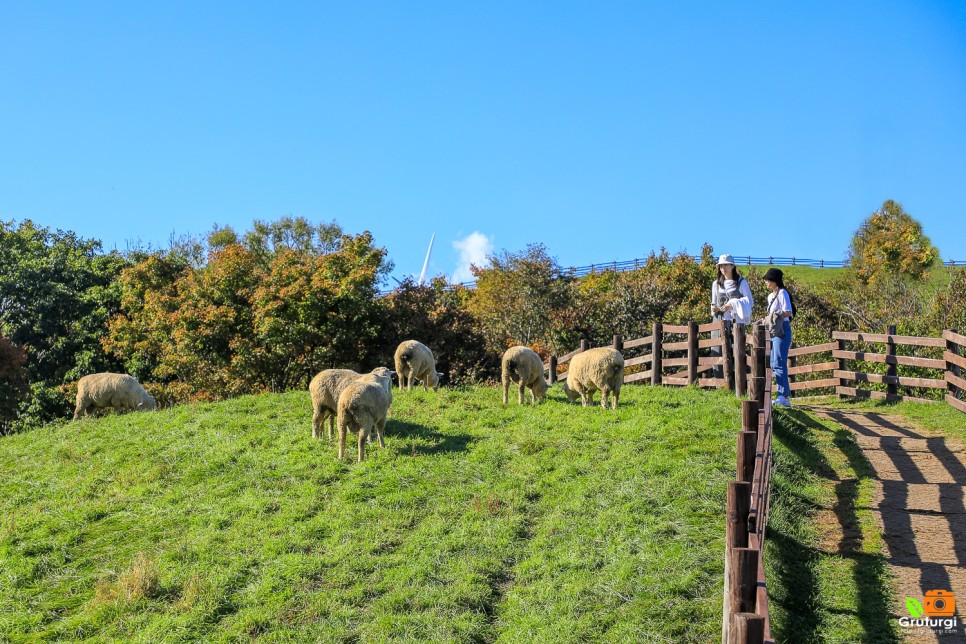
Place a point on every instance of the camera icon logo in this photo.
(939, 603)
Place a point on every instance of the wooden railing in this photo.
(687, 354)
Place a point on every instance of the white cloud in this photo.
(473, 250)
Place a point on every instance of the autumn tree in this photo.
(519, 297)
(890, 243)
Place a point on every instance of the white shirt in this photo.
(782, 302)
(740, 310)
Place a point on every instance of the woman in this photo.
(780, 311)
(730, 300)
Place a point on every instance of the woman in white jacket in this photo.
(731, 300)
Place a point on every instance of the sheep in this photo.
(117, 390)
(414, 361)
(594, 369)
(523, 366)
(362, 406)
(325, 389)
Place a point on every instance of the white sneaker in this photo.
(781, 401)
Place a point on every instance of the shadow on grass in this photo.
(797, 559)
(427, 441)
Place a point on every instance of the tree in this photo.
(890, 242)
(519, 296)
(436, 314)
(13, 381)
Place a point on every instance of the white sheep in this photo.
(523, 366)
(325, 389)
(414, 361)
(595, 369)
(362, 407)
(117, 390)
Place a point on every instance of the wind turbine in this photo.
(429, 251)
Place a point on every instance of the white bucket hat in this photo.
(725, 259)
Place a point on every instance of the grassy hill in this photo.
(476, 523)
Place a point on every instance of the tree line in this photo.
(264, 310)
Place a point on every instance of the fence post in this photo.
(736, 536)
(656, 351)
(727, 357)
(758, 366)
(747, 628)
(843, 363)
(953, 368)
(747, 441)
(619, 343)
(584, 345)
(553, 369)
(692, 351)
(744, 580)
(747, 446)
(741, 362)
(892, 389)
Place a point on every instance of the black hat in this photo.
(774, 275)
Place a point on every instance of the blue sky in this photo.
(603, 130)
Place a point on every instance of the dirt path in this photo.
(919, 504)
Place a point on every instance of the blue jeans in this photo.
(779, 359)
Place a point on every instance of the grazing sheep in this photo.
(325, 389)
(117, 390)
(594, 369)
(362, 407)
(523, 366)
(414, 361)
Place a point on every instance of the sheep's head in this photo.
(147, 403)
(432, 380)
(572, 395)
(385, 377)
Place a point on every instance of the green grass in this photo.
(227, 521)
(820, 278)
(829, 580)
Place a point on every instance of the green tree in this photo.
(13, 382)
(57, 292)
(890, 243)
(436, 314)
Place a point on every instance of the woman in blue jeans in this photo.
(780, 311)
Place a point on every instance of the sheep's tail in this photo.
(511, 368)
(407, 356)
(613, 369)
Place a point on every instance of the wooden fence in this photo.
(686, 354)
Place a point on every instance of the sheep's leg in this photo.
(506, 389)
(617, 394)
(522, 395)
(604, 393)
(317, 421)
(409, 381)
(331, 424)
(363, 435)
(583, 399)
(591, 396)
(343, 427)
(380, 431)
(80, 410)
